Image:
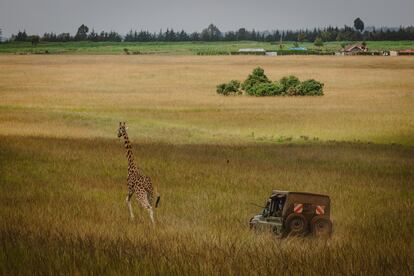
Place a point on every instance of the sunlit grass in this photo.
(63, 209)
(63, 172)
(367, 99)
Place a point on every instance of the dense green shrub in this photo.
(258, 84)
(267, 89)
(289, 82)
(310, 88)
(256, 77)
(231, 88)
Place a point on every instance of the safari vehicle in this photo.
(295, 214)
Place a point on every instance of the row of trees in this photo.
(212, 33)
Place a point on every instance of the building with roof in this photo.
(354, 48)
(252, 50)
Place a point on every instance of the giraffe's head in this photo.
(122, 129)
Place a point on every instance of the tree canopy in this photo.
(359, 24)
(212, 33)
(82, 33)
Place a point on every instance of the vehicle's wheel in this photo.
(321, 226)
(296, 225)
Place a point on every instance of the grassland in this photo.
(62, 171)
(177, 48)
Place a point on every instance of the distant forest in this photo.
(212, 33)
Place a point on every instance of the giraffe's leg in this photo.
(151, 213)
(143, 200)
(128, 200)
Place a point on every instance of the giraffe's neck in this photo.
(129, 154)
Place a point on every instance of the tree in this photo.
(359, 24)
(318, 42)
(93, 36)
(0, 35)
(211, 33)
(21, 36)
(326, 36)
(301, 37)
(64, 37)
(82, 33)
(34, 39)
(242, 34)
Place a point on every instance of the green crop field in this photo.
(183, 48)
(63, 170)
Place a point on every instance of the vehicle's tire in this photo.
(296, 225)
(321, 227)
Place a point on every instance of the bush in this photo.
(289, 82)
(310, 88)
(267, 89)
(257, 84)
(233, 87)
(318, 42)
(255, 78)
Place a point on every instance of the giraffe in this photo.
(137, 183)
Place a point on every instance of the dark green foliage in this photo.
(359, 24)
(34, 39)
(212, 52)
(289, 82)
(266, 89)
(82, 33)
(310, 88)
(318, 42)
(306, 52)
(257, 84)
(21, 36)
(211, 33)
(256, 77)
(231, 88)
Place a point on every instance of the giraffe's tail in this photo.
(158, 201)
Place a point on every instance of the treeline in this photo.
(212, 33)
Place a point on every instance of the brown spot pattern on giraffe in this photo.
(138, 184)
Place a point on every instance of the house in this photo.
(298, 49)
(354, 48)
(252, 50)
(407, 52)
(393, 53)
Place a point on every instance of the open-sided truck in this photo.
(295, 214)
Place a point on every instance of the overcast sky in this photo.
(39, 16)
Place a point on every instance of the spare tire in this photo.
(321, 226)
(296, 225)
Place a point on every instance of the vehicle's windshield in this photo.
(266, 210)
(278, 201)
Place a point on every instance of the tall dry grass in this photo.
(62, 173)
(63, 209)
(173, 99)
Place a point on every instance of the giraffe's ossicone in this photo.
(138, 184)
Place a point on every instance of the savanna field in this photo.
(63, 170)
